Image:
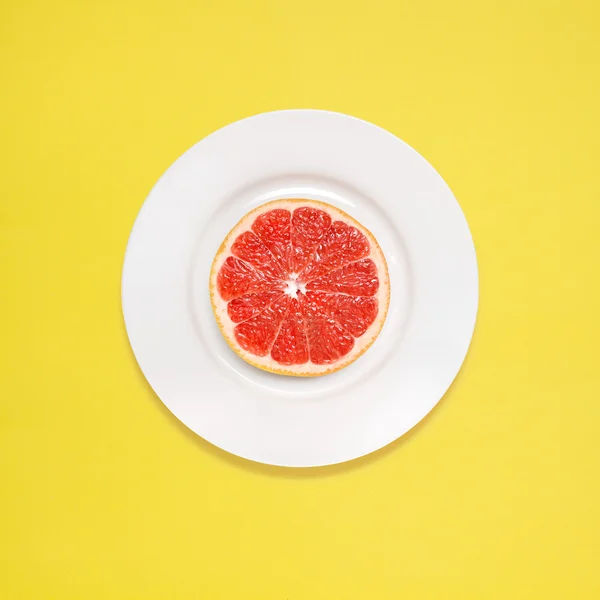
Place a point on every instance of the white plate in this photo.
(386, 186)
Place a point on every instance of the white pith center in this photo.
(293, 287)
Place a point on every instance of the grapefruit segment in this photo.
(309, 226)
(291, 346)
(356, 279)
(273, 227)
(341, 244)
(237, 278)
(249, 248)
(327, 339)
(245, 307)
(354, 313)
(300, 288)
(328, 342)
(258, 334)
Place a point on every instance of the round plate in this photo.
(386, 186)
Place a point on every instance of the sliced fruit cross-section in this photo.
(299, 287)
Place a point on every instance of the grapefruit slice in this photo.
(299, 288)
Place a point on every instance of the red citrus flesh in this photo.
(299, 288)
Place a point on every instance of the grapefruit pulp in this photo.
(300, 288)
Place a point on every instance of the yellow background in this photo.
(496, 495)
